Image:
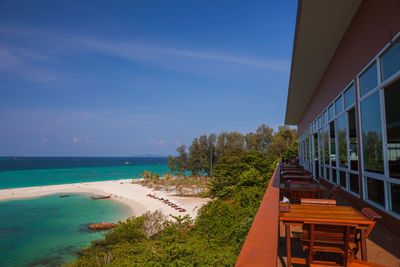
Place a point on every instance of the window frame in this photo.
(385, 178)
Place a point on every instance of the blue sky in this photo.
(118, 78)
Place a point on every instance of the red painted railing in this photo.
(261, 245)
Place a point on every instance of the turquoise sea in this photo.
(37, 171)
(47, 231)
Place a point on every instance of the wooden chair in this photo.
(315, 201)
(321, 238)
(373, 216)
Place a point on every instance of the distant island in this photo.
(148, 156)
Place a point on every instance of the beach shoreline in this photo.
(124, 191)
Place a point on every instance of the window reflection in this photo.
(316, 156)
(395, 192)
(326, 144)
(332, 139)
(331, 112)
(375, 190)
(334, 176)
(368, 80)
(342, 179)
(354, 184)
(392, 96)
(325, 116)
(372, 134)
(390, 61)
(306, 146)
(339, 105)
(342, 142)
(353, 139)
(349, 97)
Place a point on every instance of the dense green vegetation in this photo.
(241, 167)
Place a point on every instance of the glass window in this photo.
(372, 134)
(332, 139)
(395, 193)
(390, 61)
(338, 105)
(368, 80)
(342, 142)
(392, 97)
(342, 181)
(326, 144)
(354, 185)
(306, 146)
(375, 191)
(315, 147)
(325, 116)
(334, 177)
(353, 139)
(320, 140)
(349, 97)
(331, 112)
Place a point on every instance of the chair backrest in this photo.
(314, 201)
(372, 215)
(368, 212)
(328, 237)
(334, 191)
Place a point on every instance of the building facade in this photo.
(344, 96)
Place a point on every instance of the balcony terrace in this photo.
(265, 244)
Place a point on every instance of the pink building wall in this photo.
(375, 23)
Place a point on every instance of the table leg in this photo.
(363, 245)
(288, 250)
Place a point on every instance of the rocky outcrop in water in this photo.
(101, 226)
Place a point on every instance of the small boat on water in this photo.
(100, 197)
(67, 195)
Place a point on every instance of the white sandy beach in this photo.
(132, 195)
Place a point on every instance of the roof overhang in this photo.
(320, 27)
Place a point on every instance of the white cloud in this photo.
(157, 142)
(84, 139)
(19, 61)
(134, 51)
(89, 140)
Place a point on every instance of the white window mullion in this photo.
(384, 136)
(359, 124)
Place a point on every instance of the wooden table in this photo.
(293, 177)
(300, 214)
(296, 191)
(293, 172)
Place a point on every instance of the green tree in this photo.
(195, 157)
(204, 154)
(229, 168)
(172, 164)
(212, 138)
(181, 159)
(252, 142)
(235, 142)
(264, 135)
